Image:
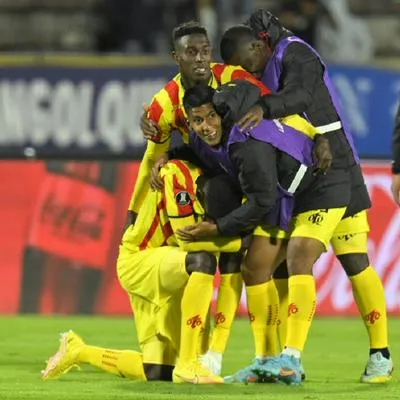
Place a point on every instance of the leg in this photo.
(350, 244)
(310, 237)
(195, 304)
(281, 279)
(229, 293)
(266, 252)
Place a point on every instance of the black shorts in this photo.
(360, 199)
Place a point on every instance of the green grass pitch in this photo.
(334, 358)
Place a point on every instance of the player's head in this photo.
(240, 46)
(192, 51)
(266, 27)
(202, 115)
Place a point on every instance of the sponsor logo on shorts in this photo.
(318, 217)
(346, 238)
(372, 317)
(292, 309)
(219, 318)
(194, 322)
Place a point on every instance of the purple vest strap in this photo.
(273, 71)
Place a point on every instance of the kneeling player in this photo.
(170, 284)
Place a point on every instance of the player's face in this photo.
(253, 57)
(206, 123)
(193, 55)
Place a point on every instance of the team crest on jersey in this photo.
(183, 198)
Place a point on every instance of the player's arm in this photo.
(160, 113)
(240, 73)
(255, 162)
(182, 213)
(302, 73)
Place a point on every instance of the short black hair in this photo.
(197, 96)
(232, 39)
(187, 28)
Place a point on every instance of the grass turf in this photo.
(334, 359)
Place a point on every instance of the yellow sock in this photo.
(229, 293)
(282, 286)
(262, 303)
(301, 309)
(125, 363)
(195, 305)
(369, 295)
(204, 338)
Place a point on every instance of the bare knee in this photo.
(302, 254)
(201, 262)
(354, 263)
(261, 260)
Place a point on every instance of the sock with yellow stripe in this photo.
(195, 304)
(282, 286)
(263, 306)
(302, 302)
(229, 293)
(125, 363)
(369, 295)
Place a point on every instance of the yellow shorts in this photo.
(351, 235)
(155, 280)
(314, 224)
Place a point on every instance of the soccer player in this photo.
(260, 158)
(170, 285)
(301, 83)
(396, 159)
(193, 55)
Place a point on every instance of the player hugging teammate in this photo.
(280, 159)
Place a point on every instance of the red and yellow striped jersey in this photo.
(167, 110)
(164, 212)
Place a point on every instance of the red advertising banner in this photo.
(61, 223)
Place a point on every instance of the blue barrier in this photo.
(91, 111)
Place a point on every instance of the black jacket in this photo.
(259, 167)
(396, 144)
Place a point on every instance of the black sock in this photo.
(385, 352)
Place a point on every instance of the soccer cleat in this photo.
(378, 370)
(66, 356)
(194, 373)
(283, 368)
(247, 375)
(212, 361)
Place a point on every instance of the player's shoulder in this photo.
(170, 92)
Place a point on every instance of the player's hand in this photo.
(322, 154)
(149, 128)
(200, 230)
(396, 188)
(156, 183)
(252, 118)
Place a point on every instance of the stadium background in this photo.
(70, 147)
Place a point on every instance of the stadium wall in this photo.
(61, 220)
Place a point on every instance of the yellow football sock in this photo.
(204, 337)
(195, 305)
(301, 309)
(369, 295)
(262, 303)
(229, 293)
(125, 363)
(282, 286)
